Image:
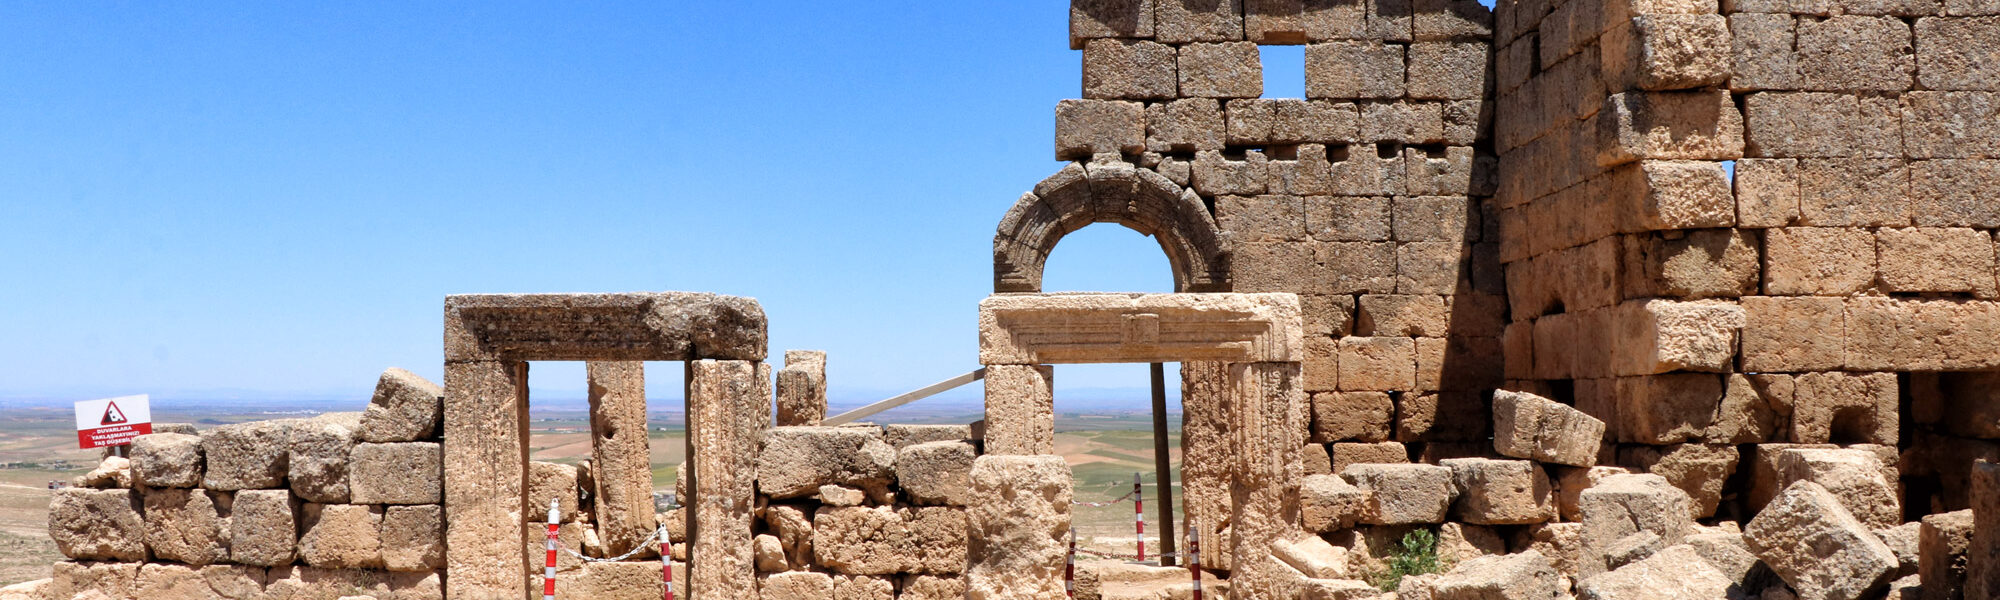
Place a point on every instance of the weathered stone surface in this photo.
(1982, 570)
(1094, 19)
(1314, 557)
(231, 582)
(1129, 70)
(727, 416)
(245, 456)
(860, 540)
(263, 528)
(1329, 503)
(1020, 409)
(796, 461)
(1847, 407)
(802, 388)
(1936, 259)
(1017, 527)
(1355, 69)
(405, 408)
(1354, 453)
(317, 456)
(1855, 53)
(935, 539)
(1182, 21)
(1817, 547)
(1501, 492)
(1902, 539)
(413, 538)
(1701, 470)
(628, 326)
(1729, 554)
(98, 524)
(1266, 421)
(1625, 505)
(1853, 476)
(485, 414)
(114, 472)
(794, 532)
(1403, 494)
(1675, 573)
(341, 536)
(400, 473)
(551, 481)
(621, 471)
(187, 525)
(1703, 125)
(1088, 127)
(1220, 70)
(1668, 52)
(1951, 57)
(1570, 484)
(936, 472)
(1536, 428)
(795, 585)
(167, 460)
(1093, 328)
(1943, 544)
(901, 436)
(1503, 577)
(326, 584)
(93, 580)
(1357, 416)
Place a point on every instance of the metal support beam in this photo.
(905, 398)
(1163, 467)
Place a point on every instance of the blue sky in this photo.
(273, 200)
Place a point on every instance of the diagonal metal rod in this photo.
(906, 398)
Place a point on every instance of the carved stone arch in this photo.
(1138, 199)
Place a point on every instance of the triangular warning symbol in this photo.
(113, 416)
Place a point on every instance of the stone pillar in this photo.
(723, 407)
(802, 388)
(621, 465)
(485, 470)
(1982, 568)
(1205, 455)
(1017, 528)
(1020, 409)
(1267, 427)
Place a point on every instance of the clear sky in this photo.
(273, 200)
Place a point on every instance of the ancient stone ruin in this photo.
(1619, 299)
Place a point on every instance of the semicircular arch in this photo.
(1139, 199)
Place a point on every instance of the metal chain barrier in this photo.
(659, 535)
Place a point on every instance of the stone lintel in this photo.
(636, 326)
(1140, 328)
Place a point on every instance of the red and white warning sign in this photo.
(112, 421)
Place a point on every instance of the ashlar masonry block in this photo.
(1655, 195)
(1955, 53)
(1087, 127)
(1017, 527)
(485, 416)
(1355, 69)
(802, 388)
(1129, 70)
(620, 469)
(1792, 334)
(1767, 192)
(1023, 329)
(1940, 259)
(1818, 261)
(1667, 52)
(1817, 546)
(1449, 70)
(1536, 428)
(1764, 53)
(1658, 336)
(1845, 408)
(1855, 53)
(1848, 192)
(1700, 125)
(1948, 193)
(1220, 70)
(1095, 19)
(1823, 125)
(1183, 21)
(1184, 125)
(1703, 263)
(1951, 124)
(724, 398)
(1020, 407)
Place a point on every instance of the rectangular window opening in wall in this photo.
(1283, 151)
(1284, 71)
(1336, 153)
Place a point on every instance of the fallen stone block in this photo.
(1536, 428)
(114, 472)
(1328, 503)
(263, 530)
(1675, 573)
(1821, 550)
(551, 481)
(405, 408)
(1313, 557)
(1902, 539)
(1624, 505)
(187, 525)
(317, 456)
(936, 472)
(1731, 556)
(401, 473)
(245, 456)
(1503, 577)
(1853, 476)
(1942, 547)
(1701, 470)
(796, 461)
(1501, 492)
(1403, 494)
(91, 524)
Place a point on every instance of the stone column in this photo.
(723, 407)
(621, 465)
(802, 388)
(485, 470)
(1020, 409)
(1017, 528)
(1982, 568)
(1206, 456)
(1266, 427)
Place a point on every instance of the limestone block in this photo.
(1450, 19)
(1700, 125)
(1817, 547)
(1665, 335)
(901, 436)
(1088, 127)
(1853, 476)
(1656, 195)
(1942, 546)
(413, 538)
(1675, 573)
(341, 536)
(1220, 70)
(167, 460)
(1404, 122)
(1215, 174)
(1951, 124)
(112, 472)
(1532, 427)
(1821, 125)
(401, 473)
(1669, 408)
(1667, 52)
(1033, 329)
(621, 471)
(1700, 264)
(1442, 417)
(1501, 577)
(1701, 470)
(629, 326)
(93, 580)
(405, 408)
(1429, 219)
(1268, 218)
(1377, 363)
(1093, 19)
(794, 533)
(1763, 52)
(1017, 527)
(1789, 334)
(1855, 53)
(1818, 261)
(802, 388)
(1982, 569)
(859, 540)
(634, 580)
(1183, 21)
(1185, 125)
(317, 457)
(1431, 171)
(1403, 494)
(1358, 267)
(1841, 192)
(1313, 557)
(245, 455)
(1570, 484)
(1850, 407)
(797, 585)
(1354, 453)
(1359, 416)
(931, 587)
(1625, 505)
(1902, 539)
(1129, 70)
(1355, 69)
(863, 587)
(1952, 56)
(551, 481)
(1927, 259)
(1329, 503)
(1944, 193)
(187, 525)
(1449, 70)
(934, 541)
(262, 528)
(1767, 192)
(1501, 492)
(485, 412)
(936, 472)
(98, 524)
(796, 461)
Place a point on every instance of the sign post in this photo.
(112, 421)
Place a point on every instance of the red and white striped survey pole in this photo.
(549, 569)
(1139, 515)
(1069, 568)
(666, 563)
(1194, 558)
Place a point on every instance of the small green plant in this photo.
(1415, 555)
